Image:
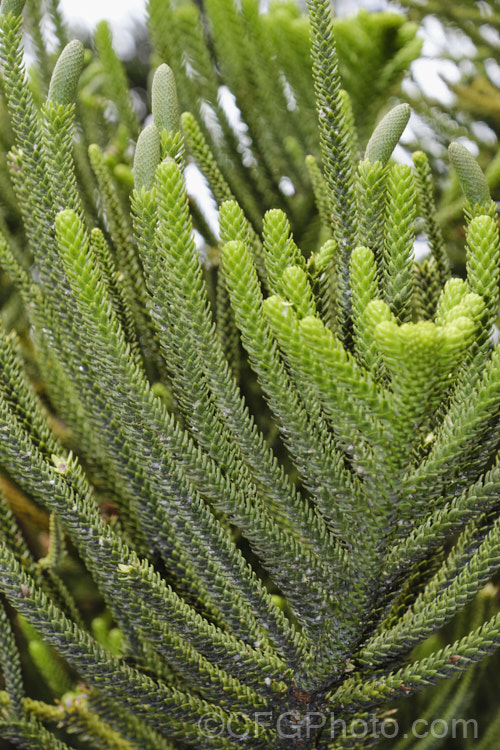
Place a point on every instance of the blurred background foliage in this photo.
(245, 76)
(463, 46)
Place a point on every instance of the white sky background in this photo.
(92, 11)
(122, 14)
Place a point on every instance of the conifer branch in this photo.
(270, 450)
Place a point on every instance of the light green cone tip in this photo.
(274, 214)
(458, 331)
(482, 226)
(12, 6)
(64, 81)
(325, 255)
(362, 255)
(378, 311)
(418, 336)
(232, 251)
(454, 338)
(295, 286)
(312, 327)
(419, 159)
(386, 135)
(164, 104)
(147, 157)
(275, 307)
(64, 218)
(470, 175)
(452, 295)
(472, 307)
(387, 333)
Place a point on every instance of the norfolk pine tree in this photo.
(278, 466)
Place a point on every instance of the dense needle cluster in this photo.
(278, 463)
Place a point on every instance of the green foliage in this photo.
(469, 45)
(272, 460)
(263, 59)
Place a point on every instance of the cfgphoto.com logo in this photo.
(292, 725)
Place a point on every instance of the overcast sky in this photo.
(92, 11)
